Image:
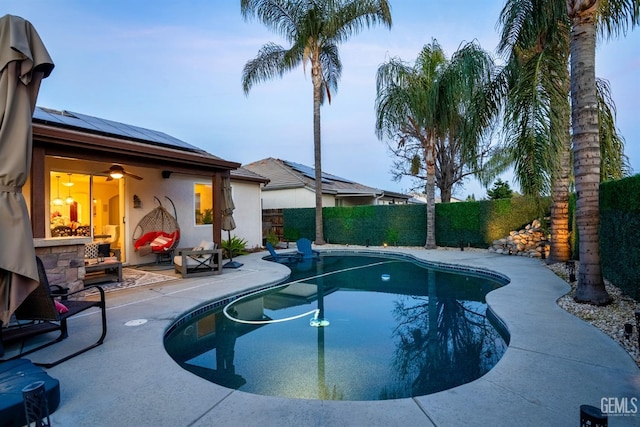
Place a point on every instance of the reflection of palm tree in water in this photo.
(226, 341)
(442, 343)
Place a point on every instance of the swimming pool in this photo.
(373, 327)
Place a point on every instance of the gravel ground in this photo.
(609, 319)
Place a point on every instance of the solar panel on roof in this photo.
(310, 173)
(96, 124)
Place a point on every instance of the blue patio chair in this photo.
(304, 249)
(286, 258)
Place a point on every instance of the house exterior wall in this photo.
(357, 201)
(180, 189)
(248, 213)
(294, 198)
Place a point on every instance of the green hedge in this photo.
(478, 224)
(475, 224)
(620, 234)
(361, 225)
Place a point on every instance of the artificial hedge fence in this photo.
(475, 224)
(620, 234)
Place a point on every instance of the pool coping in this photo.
(554, 363)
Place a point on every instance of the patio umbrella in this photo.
(228, 222)
(24, 62)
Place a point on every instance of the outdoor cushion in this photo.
(91, 250)
(207, 245)
(191, 262)
(60, 307)
(159, 241)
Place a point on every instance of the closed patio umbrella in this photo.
(24, 62)
(228, 223)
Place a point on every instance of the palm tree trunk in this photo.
(586, 148)
(560, 250)
(316, 75)
(430, 159)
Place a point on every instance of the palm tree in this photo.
(314, 28)
(407, 104)
(615, 17)
(536, 36)
(427, 103)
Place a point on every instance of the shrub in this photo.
(238, 246)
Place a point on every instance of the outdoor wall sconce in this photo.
(137, 203)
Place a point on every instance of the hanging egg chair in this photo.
(157, 232)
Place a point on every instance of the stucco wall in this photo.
(180, 189)
(293, 198)
(248, 214)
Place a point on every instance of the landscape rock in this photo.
(529, 241)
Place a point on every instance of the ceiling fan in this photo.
(117, 172)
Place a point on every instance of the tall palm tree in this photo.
(314, 28)
(615, 15)
(536, 36)
(427, 102)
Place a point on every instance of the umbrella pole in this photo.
(231, 263)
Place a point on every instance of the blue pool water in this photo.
(393, 328)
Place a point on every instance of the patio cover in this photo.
(24, 62)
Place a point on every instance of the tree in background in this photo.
(423, 108)
(314, 29)
(500, 190)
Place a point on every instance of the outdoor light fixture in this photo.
(628, 330)
(69, 184)
(571, 270)
(58, 201)
(116, 171)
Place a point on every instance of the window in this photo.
(70, 204)
(203, 196)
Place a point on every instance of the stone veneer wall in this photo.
(63, 261)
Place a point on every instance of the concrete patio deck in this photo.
(554, 363)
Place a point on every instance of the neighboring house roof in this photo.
(283, 174)
(242, 174)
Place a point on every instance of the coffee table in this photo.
(111, 272)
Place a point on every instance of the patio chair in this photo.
(305, 250)
(286, 258)
(201, 260)
(43, 311)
